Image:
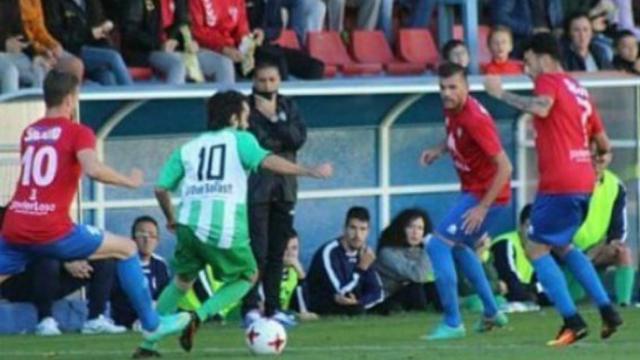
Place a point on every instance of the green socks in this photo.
(623, 284)
(169, 299)
(226, 295)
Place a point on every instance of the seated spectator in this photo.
(526, 17)
(293, 277)
(626, 53)
(501, 44)
(513, 266)
(47, 280)
(44, 44)
(368, 12)
(341, 278)
(402, 262)
(456, 51)
(580, 53)
(144, 232)
(222, 26)
(303, 16)
(156, 33)
(269, 20)
(19, 65)
(603, 234)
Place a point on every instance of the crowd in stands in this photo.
(115, 42)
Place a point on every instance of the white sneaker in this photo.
(250, 317)
(102, 325)
(48, 327)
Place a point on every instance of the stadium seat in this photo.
(288, 39)
(328, 48)
(371, 47)
(141, 73)
(483, 36)
(416, 46)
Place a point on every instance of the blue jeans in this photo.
(105, 66)
(420, 10)
(305, 16)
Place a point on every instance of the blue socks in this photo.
(473, 270)
(583, 271)
(446, 280)
(555, 285)
(135, 285)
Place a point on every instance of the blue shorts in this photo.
(556, 218)
(80, 243)
(451, 226)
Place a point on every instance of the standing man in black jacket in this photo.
(278, 126)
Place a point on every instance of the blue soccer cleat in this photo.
(446, 332)
(169, 325)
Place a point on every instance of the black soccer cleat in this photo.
(189, 333)
(573, 330)
(611, 321)
(142, 353)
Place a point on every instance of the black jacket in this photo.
(284, 138)
(142, 28)
(574, 62)
(71, 24)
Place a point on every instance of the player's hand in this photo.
(348, 299)
(172, 225)
(323, 171)
(79, 269)
(367, 257)
(428, 156)
(136, 178)
(473, 219)
(493, 85)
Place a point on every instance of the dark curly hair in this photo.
(395, 235)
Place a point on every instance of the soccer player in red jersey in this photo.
(566, 123)
(54, 152)
(484, 169)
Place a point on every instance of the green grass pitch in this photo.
(370, 337)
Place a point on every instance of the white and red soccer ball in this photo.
(266, 337)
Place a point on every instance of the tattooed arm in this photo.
(536, 105)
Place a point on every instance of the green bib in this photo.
(522, 264)
(595, 226)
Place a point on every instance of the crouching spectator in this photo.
(501, 44)
(341, 279)
(144, 232)
(293, 277)
(403, 264)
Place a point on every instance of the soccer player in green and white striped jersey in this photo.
(211, 223)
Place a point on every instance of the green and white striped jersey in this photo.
(213, 169)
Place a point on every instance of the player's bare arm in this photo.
(475, 216)
(282, 166)
(103, 173)
(536, 105)
(428, 156)
(164, 200)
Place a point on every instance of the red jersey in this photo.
(509, 67)
(473, 141)
(562, 138)
(39, 210)
(217, 24)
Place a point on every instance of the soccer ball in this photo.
(266, 337)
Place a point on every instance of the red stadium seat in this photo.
(483, 36)
(328, 48)
(288, 39)
(371, 47)
(141, 73)
(417, 47)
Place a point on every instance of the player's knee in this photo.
(127, 249)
